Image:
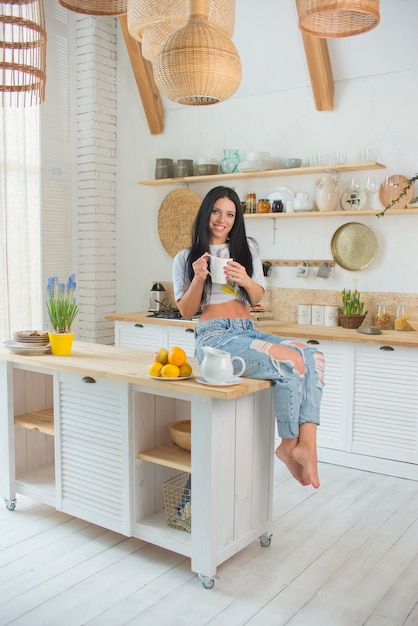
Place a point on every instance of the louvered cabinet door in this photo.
(385, 409)
(93, 465)
(139, 336)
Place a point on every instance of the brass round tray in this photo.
(353, 246)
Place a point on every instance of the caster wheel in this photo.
(208, 582)
(10, 505)
(209, 585)
(265, 541)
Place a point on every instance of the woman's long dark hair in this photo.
(238, 244)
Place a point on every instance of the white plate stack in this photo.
(29, 342)
(257, 161)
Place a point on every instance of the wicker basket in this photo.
(177, 502)
(338, 18)
(96, 7)
(181, 433)
(350, 321)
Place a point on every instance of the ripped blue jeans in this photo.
(296, 369)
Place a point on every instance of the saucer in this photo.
(235, 380)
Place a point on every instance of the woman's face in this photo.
(221, 220)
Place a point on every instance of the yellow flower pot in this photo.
(61, 343)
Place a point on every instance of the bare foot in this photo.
(285, 454)
(307, 459)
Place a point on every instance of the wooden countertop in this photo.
(127, 365)
(291, 329)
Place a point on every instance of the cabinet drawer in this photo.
(139, 336)
(181, 336)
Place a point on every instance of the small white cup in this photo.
(304, 313)
(216, 269)
(302, 270)
(318, 315)
(331, 316)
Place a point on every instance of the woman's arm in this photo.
(191, 293)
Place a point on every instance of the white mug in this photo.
(216, 269)
(317, 315)
(304, 313)
(302, 270)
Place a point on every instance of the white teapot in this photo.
(303, 202)
(217, 365)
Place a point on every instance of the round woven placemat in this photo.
(175, 219)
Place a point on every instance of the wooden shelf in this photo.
(294, 171)
(43, 421)
(339, 213)
(168, 455)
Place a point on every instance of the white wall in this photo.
(375, 105)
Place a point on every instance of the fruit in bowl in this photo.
(170, 363)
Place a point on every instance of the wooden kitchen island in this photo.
(89, 435)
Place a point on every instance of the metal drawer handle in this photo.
(139, 326)
(189, 330)
(387, 348)
(313, 342)
(88, 379)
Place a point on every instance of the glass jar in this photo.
(185, 167)
(402, 317)
(229, 163)
(263, 206)
(383, 317)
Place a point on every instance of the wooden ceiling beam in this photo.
(320, 71)
(144, 77)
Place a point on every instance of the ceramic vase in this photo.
(61, 343)
(327, 194)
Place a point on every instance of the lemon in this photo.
(155, 369)
(177, 356)
(170, 371)
(185, 369)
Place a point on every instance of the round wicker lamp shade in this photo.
(338, 18)
(152, 21)
(22, 52)
(198, 65)
(96, 7)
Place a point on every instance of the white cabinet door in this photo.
(337, 395)
(93, 450)
(139, 336)
(385, 411)
(182, 336)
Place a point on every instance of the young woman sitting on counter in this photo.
(297, 370)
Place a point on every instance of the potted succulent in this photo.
(62, 309)
(409, 184)
(351, 315)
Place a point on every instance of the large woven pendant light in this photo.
(152, 21)
(198, 65)
(338, 18)
(22, 52)
(96, 7)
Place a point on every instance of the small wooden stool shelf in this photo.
(168, 455)
(38, 420)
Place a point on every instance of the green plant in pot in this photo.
(351, 315)
(62, 310)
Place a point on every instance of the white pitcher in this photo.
(217, 365)
(327, 194)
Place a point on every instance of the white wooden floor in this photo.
(344, 555)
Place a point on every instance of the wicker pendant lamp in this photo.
(152, 21)
(338, 18)
(96, 7)
(22, 52)
(198, 65)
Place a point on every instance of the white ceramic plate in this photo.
(165, 378)
(353, 199)
(18, 348)
(235, 380)
(282, 193)
(254, 166)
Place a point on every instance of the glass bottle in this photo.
(383, 317)
(229, 163)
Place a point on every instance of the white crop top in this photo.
(219, 293)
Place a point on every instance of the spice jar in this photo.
(383, 318)
(263, 206)
(164, 168)
(251, 202)
(402, 317)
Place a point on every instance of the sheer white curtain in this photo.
(20, 221)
